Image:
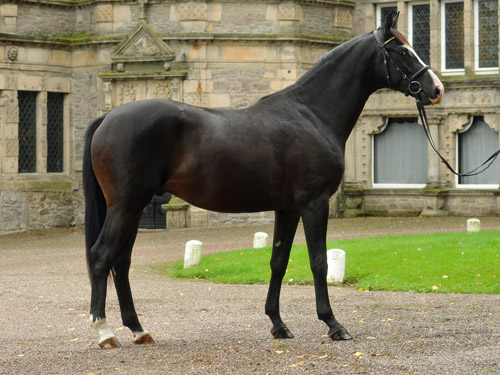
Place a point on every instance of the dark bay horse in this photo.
(285, 153)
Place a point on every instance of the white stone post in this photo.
(260, 240)
(336, 266)
(192, 253)
(473, 225)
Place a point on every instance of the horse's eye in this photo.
(402, 52)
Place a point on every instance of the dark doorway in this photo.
(153, 216)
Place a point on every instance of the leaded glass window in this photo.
(421, 34)
(487, 33)
(474, 146)
(384, 12)
(55, 132)
(454, 35)
(400, 154)
(27, 131)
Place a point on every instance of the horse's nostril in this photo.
(438, 91)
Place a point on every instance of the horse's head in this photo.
(403, 70)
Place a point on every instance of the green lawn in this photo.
(446, 263)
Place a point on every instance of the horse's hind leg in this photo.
(284, 231)
(315, 219)
(121, 269)
(112, 250)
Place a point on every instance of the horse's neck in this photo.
(338, 86)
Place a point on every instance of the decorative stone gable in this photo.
(143, 67)
(141, 45)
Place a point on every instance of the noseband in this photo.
(414, 87)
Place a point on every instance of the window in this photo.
(55, 120)
(475, 144)
(419, 33)
(400, 155)
(27, 131)
(452, 37)
(486, 35)
(383, 12)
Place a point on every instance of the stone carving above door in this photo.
(143, 66)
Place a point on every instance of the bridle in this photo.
(414, 89)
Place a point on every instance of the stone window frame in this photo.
(11, 169)
(477, 69)
(490, 121)
(385, 185)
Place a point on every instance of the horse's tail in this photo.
(95, 203)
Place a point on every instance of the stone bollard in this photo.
(336, 266)
(260, 240)
(473, 225)
(192, 254)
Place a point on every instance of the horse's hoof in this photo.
(341, 334)
(144, 339)
(110, 343)
(282, 333)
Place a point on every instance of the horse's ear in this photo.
(390, 23)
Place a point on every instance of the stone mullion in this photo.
(9, 150)
(435, 34)
(41, 132)
(468, 35)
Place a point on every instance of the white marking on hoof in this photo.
(143, 338)
(105, 332)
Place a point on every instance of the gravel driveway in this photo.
(204, 328)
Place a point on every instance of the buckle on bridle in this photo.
(414, 88)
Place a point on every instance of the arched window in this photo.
(400, 154)
(475, 145)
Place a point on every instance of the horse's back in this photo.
(225, 160)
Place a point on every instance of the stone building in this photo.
(65, 62)
(390, 167)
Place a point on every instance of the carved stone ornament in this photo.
(373, 124)
(458, 122)
(12, 53)
(142, 45)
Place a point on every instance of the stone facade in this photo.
(100, 54)
(469, 93)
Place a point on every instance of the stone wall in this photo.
(100, 54)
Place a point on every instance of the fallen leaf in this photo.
(435, 287)
(75, 339)
(301, 363)
(358, 354)
(323, 356)
(445, 276)
(279, 351)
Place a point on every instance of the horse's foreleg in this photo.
(284, 231)
(121, 269)
(315, 219)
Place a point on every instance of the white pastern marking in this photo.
(139, 335)
(105, 332)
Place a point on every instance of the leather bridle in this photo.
(415, 90)
(414, 87)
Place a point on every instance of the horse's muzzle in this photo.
(439, 91)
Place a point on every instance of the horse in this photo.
(211, 158)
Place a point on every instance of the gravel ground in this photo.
(204, 328)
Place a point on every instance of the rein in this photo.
(414, 89)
